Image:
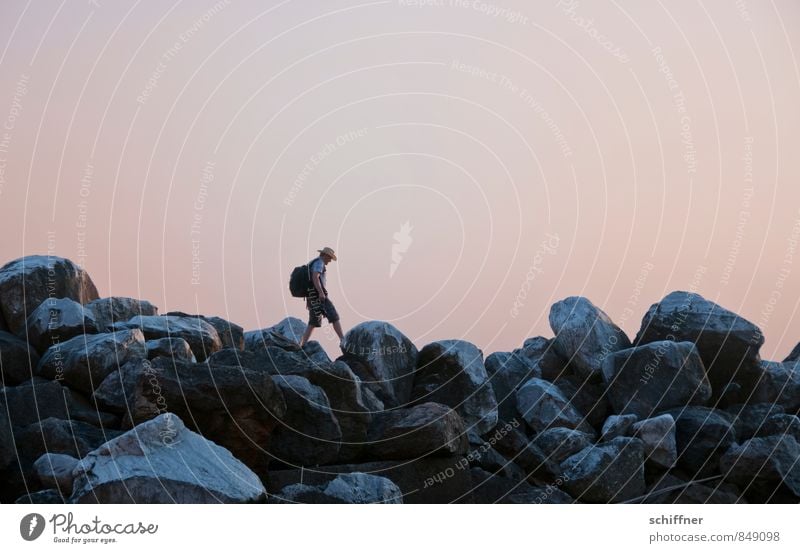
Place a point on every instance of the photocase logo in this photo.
(31, 526)
(402, 241)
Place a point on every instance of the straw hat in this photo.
(328, 251)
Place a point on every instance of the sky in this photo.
(471, 162)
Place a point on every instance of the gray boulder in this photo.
(656, 376)
(55, 321)
(173, 348)
(452, 372)
(507, 372)
(428, 428)
(560, 443)
(584, 335)
(83, 362)
(39, 399)
(658, 436)
(779, 383)
(727, 343)
(387, 360)
(617, 425)
(26, 282)
(201, 336)
(537, 465)
(765, 467)
(350, 488)
(108, 311)
(17, 359)
(542, 405)
(702, 436)
(794, 355)
(609, 472)
(161, 461)
(286, 334)
(749, 418)
(309, 432)
(54, 471)
(779, 425)
(230, 334)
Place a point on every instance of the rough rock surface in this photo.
(658, 436)
(108, 311)
(17, 359)
(610, 472)
(55, 321)
(201, 336)
(353, 488)
(542, 405)
(507, 372)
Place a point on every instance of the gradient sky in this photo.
(513, 153)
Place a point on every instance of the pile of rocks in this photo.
(105, 400)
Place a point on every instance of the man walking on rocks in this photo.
(318, 303)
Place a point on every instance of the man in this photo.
(318, 303)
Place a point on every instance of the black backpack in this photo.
(300, 281)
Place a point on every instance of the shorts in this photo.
(317, 310)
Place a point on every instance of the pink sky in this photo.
(650, 146)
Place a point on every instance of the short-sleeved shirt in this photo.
(318, 266)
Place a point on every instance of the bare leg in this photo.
(306, 335)
(337, 326)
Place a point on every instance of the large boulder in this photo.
(387, 360)
(768, 469)
(202, 337)
(428, 428)
(83, 362)
(779, 425)
(234, 407)
(54, 471)
(702, 435)
(286, 334)
(617, 425)
(39, 399)
(352, 488)
(537, 465)
(173, 348)
(26, 282)
(452, 372)
(779, 384)
(55, 321)
(543, 405)
(108, 311)
(658, 436)
(750, 418)
(656, 376)
(560, 443)
(584, 335)
(507, 372)
(230, 334)
(17, 359)
(727, 343)
(609, 472)
(161, 461)
(309, 432)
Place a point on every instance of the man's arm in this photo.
(317, 284)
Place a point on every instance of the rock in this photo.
(560, 443)
(43, 497)
(451, 372)
(589, 398)
(533, 349)
(26, 282)
(507, 372)
(779, 383)
(554, 367)
(430, 480)
(702, 436)
(290, 328)
(537, 466)
(584, 335)
(428, 428)
(658, 436)
(236, 408)
(231, 335)
(8, 451)
(258, 340)
(387, 361)
(542, 405)
(779, 425)
(485, 457)
(40, 399)
(727, 343)
(201, 336)
(748, 419)
(617, 425)
(83, 362)
(56, 321)
(794, 355)
(656, 376)
(172, 348)
(669, 489)
(17, 359)
(609, 472)
(161, 461)
(116, 394)
(314, 353)
(308, 433)
(54, 471)
(488, 488)
(108, 311)
(351, 488)
(765, 468)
